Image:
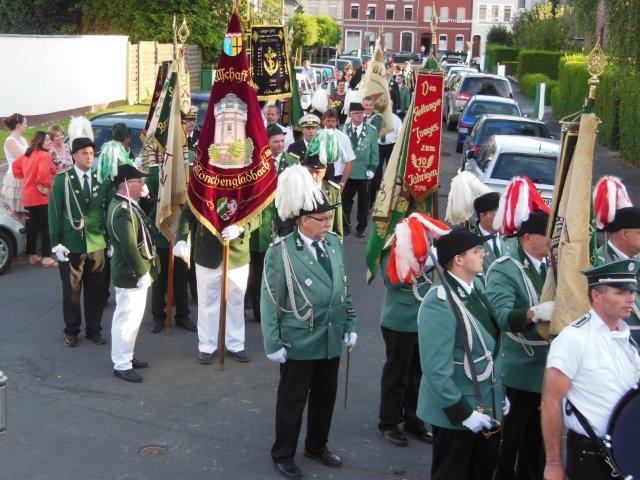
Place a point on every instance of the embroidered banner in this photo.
(423, 152)
(269, 63)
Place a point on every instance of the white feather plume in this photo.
(296, 191)
(406, 260)
(465, 188)
(79, 127)
(320, 100)
(352, 96)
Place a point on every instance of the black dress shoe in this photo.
(360, 234)
(207, 358)
(240, 356)
(139, 363)
(71, 340)
(128, 375)
(421, 433)
(395, 437)
(157, 326)
(97, 338)
(288, 469)
(325, 457)
(187, 324)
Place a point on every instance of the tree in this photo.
(328, 31)
(543, 28)
(500, 35)
(305, 30)
(39, 17)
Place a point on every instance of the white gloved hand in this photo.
(369, 174)
(506, 408)
(144, 192)
(61, 252)
(477, 421)
(543, 311)
(144, 281)
(110, 251)
(231, 232)
(350, 339)
(180, 249)
(279, 357)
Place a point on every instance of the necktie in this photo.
(496, 250)
(323, 258)
(85, 188)
(543, 270)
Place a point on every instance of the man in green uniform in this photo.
(364, 142)
(309, 124)
(514, 284)
(77, 216)
(132, 268)
(459, 409)
(208, 259)
(485, 207)
(371, 117)
(623, 242)
(304, 327)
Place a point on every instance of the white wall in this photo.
(46, 74)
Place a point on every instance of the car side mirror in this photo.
(469, 154)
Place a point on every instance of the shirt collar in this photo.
(484, 233)
(124, 197)
(308, 241)
(535, 261)
(623, 328)
(80, 173)
(619, 254)
(468, 287)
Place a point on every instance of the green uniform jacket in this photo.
(405, 98)
(332, 191)
(128, 229)
(446, 395)
(523, 364)
(400, 306)
(207, 248)
(375, 120)
(330, 301)
(93, 236)
(287, 160)
(153, 184)
(365, 147)
(605, 255)
(508, 245)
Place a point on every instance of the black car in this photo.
(401, 57)
(200, 100)
(103, 124)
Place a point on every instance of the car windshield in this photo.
(485, 86)
(510, 127)
(540, 169)
(102, 134)
(202, 112)
(478, 108)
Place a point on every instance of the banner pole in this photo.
(223, 303)
(168, 320)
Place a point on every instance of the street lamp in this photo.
(366, 34)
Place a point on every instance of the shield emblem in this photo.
(232, 44)
(226, 207)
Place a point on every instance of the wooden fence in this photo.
(143, 62)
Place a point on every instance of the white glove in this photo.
(350, 339)
(110, 251)
(231, 232)
(144, 192)
(61, 252)
(477, 421)
(369, 174)
(543, 312)
(279, 357)
(180, 249)
(506, 408)
(144, 281)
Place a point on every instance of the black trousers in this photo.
(583, 461)
(38, 224)
(159, 288)
(384, 152)
(316, 380)
(83, 272)
(463, 455)
(254, 283)
(353, 187)
(400, 381)
(522, 452)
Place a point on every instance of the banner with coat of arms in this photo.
(269, 63)
(233, 176)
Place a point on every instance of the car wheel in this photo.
(6, 251)
(451, 124)
(459, 147)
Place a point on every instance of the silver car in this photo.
(12, 237)
(504, 157)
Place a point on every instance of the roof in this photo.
(494, 99)
(487, 75)
(514, 118)
(526, 145)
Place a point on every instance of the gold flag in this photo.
(375, 85)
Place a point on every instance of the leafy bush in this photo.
(539, 61)
(529, 81)
(629, 112)
(499, 35)
(495, 54)
(572, 85)
(543, 27)
(608, 106)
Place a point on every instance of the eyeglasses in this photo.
(322, 219)
(136, 180)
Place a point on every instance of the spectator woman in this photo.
(36, 170)
(14, 146)
(60, 151)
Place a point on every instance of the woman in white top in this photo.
(60, 152)
(14, 146)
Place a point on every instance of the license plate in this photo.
(463, 130)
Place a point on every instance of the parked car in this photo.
(329, 70)
(450, 86)
(103, 124)
(504, 157)
(200, 100)
(12, 237)
(482, 105)
(454, 59)
(355, 61)
(494, 124)
(401, 57)
(470, 85)
(459, 69)
(305, 90)
(338, 64)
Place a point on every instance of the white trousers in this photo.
(209, 282)
(127, 317)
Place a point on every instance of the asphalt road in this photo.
(70, 419)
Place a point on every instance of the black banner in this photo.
(269, 65)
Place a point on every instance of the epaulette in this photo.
(502, 259)
(581, 321)
(441, 293)
(294, 155)
(333, 184)
(332, 233)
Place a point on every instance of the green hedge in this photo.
(510, 68)
(572, 86)
(529, 81)
(539, 61)
(628, 113)
(608, 106)
(496, 54)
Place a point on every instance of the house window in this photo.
(442, 42)
(389, 12)
(371, 11)
(482, 13)
(388, 40)
(408, 13)
(355, 11)
(507, 13)
(427, 13)
(352, 40)
(406, 41)
(461, 13)
(459, 43)
(495, 13)
(522, 4)
(444, 14)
